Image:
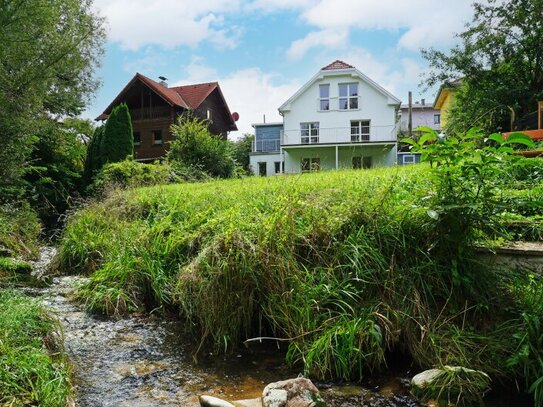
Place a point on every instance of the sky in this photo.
(262, 51)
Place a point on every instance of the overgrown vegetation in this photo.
(194, 150)
(349, 266)
(33, 367)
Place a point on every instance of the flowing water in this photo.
(147, 361)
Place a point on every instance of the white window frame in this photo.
(348, 98)
(363, 130)
(309, 135)
(411, 158)
(323, 99)
(314, 164)
(437, 118)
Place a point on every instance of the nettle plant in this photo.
(470, 171)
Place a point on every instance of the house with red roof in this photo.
(154, 107)
(339, 119)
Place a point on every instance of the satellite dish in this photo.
(235, 116)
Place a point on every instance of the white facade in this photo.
(269, 161)
(339, 119)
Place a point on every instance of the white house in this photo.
(421, 115)
(339, 119)
(265, 158)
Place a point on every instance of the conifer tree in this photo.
(117, 142)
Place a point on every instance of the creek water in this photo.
(146, 360)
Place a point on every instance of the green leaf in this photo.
(497, 137)
(408, 140)
(433, 214)
(427, 137)
(427, 130)
(519, 138)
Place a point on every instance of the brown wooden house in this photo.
(154, 107)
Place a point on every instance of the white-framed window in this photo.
(311, 164)
(348, 96)
(437, 118)
(324, 97)
(360, 130)
(309, 132)
(157, 137)
(409, 159)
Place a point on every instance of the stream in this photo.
(146, 360)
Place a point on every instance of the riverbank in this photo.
(348, 268)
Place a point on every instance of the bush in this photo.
(196, 148)
(117, 142)
(19, 230)
(130, 174)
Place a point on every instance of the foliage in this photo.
(117, 142)
(93, 159)
(241, 149)
(195, 147)
(498, 62)
(19, 230)
(43, 80)
(33, 367)
(56, 167)
(130, 174)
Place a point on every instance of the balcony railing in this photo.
(266, 146)
(340, 135)
(150, 113)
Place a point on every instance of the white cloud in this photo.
(169, 23)
(426, 22)
(332, 38)
(250, 92)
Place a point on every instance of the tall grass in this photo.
(347, 266)
(33, 369)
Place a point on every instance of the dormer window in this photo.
(348, 96)
(324, 97)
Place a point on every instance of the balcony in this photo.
(266, 146)
(340, 135)
(162, 112)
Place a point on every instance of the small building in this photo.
(422, 114)
(445, 100)
(265, 158)
(339, 119)
(154, 107)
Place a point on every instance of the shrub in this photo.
(19, 230)
(93, 160)
(130, 174)
(117, 142)
(194, 147)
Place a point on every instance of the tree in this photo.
(49, 50)
(241, 150)
(117, 142)
(195, 147)
(93, 161)
(499, 62)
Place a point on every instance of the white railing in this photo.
(266, 146)
(340, 135)
(335, 103)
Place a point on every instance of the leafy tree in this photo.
(56, 166)
(117, 142)
(93, 161)
(499, 62)
(49, 49)
(241, 150)
(195, 147)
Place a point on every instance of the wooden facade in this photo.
(154, 107)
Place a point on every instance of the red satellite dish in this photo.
(235, 116)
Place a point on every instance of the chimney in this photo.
(422, 101)
(163, 80)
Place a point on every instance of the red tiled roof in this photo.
(337, 64)
(168, 94)
(194, 95)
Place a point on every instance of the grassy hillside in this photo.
(349, 266)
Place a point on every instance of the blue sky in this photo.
(262, 51)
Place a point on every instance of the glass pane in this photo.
(353, 103)
(353, 89)
(315, 139)
(315, 131)
(354, 129)
(304, 126)
(325, 104)
(357, 162)
(324, 91)
(305, 164)
(305, 139)
(343, 90)
(343, 104)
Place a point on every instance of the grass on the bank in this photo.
(33, 369)
(348, 265)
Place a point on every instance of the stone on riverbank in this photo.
(209, 401)
(298, 392)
